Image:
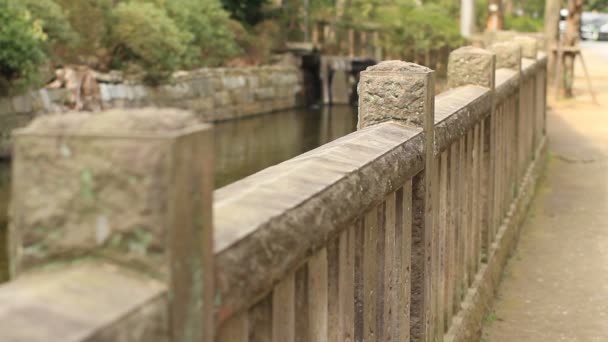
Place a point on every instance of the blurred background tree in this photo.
(157, 37)
(143, 34)
(249, 12)
(596, 5)
(24, 45)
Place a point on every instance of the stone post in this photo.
(529, 46)
(471, 66)
(127, 187)
(405, 93)
(508, 55)
(474, 66)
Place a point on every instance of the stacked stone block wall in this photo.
(17, 111)
(213, 94)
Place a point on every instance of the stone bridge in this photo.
(397, 232)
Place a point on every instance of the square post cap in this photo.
(529, 46)
(508, 55)
(470, 65)
(394, 91)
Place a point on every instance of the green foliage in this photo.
(91, 19)
(434, 26)
(481, 14)
(22, 43)
(405, 24)
(523, 24)
(54, 21)
(209, 25)
(249, 12)
(596, 5)
(144, 34)
(491, 318)
(532, 8)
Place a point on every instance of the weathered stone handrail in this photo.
(126, 188)
(398, 231)
(302, 222)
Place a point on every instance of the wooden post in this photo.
(126, 187)
(552, 8)
(474, 66)
(404, 93)
(377, 48)
(571, 39)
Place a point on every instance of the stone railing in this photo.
(397, 232)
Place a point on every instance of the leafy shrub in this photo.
(55, 22)
(209, 24)
(143, 33)
(22, 43)
(408, 27)
(92, 20)
(250, 12)
(524, 24)
(258, 43)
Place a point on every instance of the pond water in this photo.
(242, 147)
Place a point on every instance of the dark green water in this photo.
(4, 197)
(246, 146)
(243, 147)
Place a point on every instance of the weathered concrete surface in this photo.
(393, 90)
(508, 55)
(288, 210)
(88, 302)
(102, 187)
(554, 288)
(469, 65)
(529, 46)
(456, 111)
(133, 187)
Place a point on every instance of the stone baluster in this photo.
(405, 93)
(129, 188)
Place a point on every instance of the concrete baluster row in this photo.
(382, 235)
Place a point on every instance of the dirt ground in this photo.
(555, 287)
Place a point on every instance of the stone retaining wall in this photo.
(19, 110)
(215, 94)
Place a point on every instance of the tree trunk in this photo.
(467, 18)
(552, 8)
(508, 8)
(571, 38)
